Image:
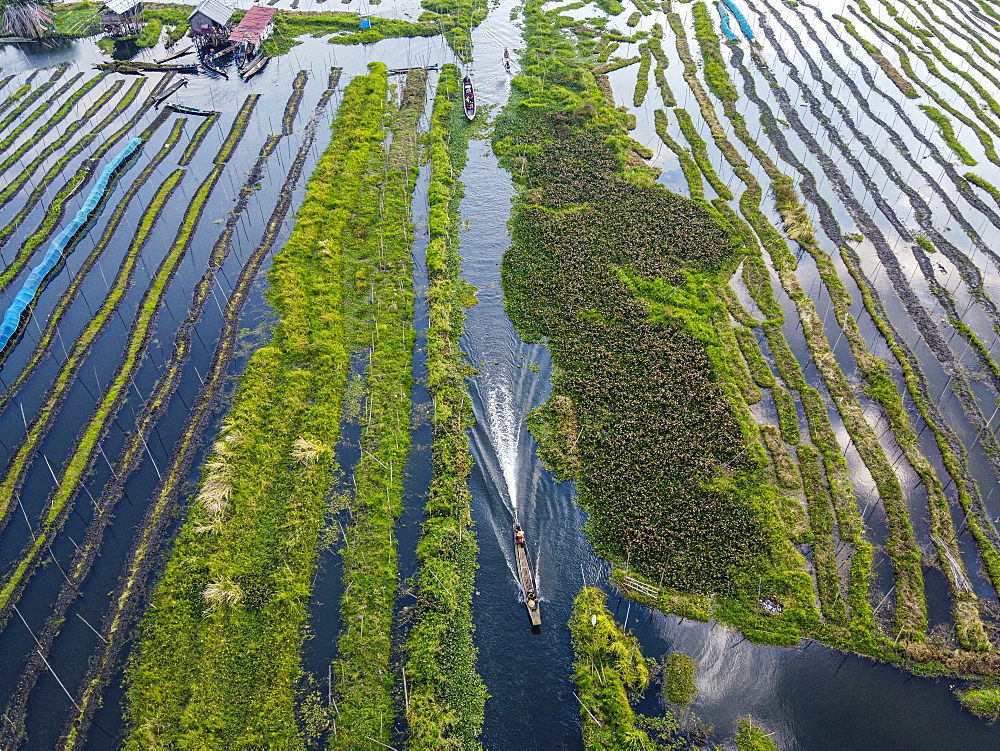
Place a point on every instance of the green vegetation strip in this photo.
(642, 76)
(948, 134)
(13, 97)
(219, 652)
(51, 331)
(75, 183)
(150, 33)
(446, 697)
(14, 475)
(378, 315)
(197, 138)
(610, 673)
(901, 544)
(27, 101)
(57, 117)
(238, 129)
(140, 558)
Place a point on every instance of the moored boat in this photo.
(469, 97)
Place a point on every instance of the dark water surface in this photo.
(810, 697)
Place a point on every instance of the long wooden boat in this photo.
(169, 92)
(527, 578)
(182, 53)
(401, 71)
(185, 110)
(207, 64)
(469, 98)
(254, 66)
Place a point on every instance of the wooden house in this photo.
(121, 18)
(256, 26)
(211, 23)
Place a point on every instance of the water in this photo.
(810, 697)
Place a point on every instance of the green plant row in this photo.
(75, 183)
(140, 558)
(750, 349)
(239, 128)
(57, 117)
(378, 315)
(881, 387)
(51, 331)
(150, 33)
(197, 138)
(821, 523)
(642, 75)
(26, 101)
(343, 27)
(445, 704)
(727, 335)
(948, 134)
(219, 652)
(785, 468)
(610, 673)
(616, 63)
(699, 151)
(13, 97)
(865, 16)
(14, 474)
(901, 544)
(298, 90)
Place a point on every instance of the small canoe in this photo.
(527, 578)
(182, 53)
(169, 92)
(184, 110)
(469, 98)
(254, 66)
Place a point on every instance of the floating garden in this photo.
(758, 240)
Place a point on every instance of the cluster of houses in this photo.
(211, 24)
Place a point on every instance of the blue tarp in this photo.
(12, 318)
(726, 28)
(739, 19)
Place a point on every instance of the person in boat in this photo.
(532, 600)
(519, 537)
(506, 54)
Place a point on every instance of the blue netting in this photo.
(726, 28)
(739, 19)
(12, 318)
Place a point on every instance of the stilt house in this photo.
(121, 18)
(256, 26)
(211, 23)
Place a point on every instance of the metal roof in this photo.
(214, 9)
(253, 24)
(121, 6)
